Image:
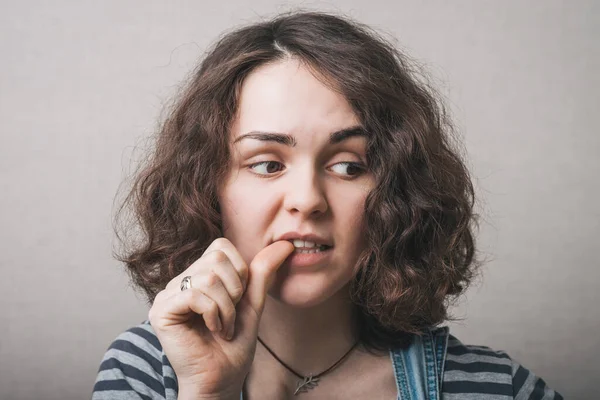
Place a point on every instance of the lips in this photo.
(318, 240)
(309, 246)
(308, 261)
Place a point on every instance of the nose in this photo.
(305, 194)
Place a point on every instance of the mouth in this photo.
(310, 250)
(309, 255)
(307, 247)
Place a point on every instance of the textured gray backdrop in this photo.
(83, 82)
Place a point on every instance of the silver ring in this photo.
(186, 283)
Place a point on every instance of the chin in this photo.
(296, 301)
(302, 292)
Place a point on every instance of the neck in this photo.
(309, 340)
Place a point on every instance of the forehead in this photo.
(287, 97)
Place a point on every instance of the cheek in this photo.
(245, 211)
(353, 206)
(354, 228)
(238, 201)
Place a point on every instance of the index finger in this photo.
(263, 268)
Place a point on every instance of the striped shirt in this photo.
(135, 367)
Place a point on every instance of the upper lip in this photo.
(310, 237)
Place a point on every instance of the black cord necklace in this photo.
(310, 381)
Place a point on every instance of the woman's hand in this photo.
(226, 299)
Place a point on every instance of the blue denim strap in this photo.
(419, 367)
(440, 337)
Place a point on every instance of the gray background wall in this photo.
(83, 82)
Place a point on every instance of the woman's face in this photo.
(301, 170)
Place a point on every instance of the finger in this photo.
(217, 263)
(210, 284)
(234, 256)
(226, 272)
(220, 251)
(180, 307)
(262, 271)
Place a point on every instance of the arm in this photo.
(131, 368)
(528, 386)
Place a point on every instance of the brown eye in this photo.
(348, 168)
(266, 167)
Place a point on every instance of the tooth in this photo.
(303, 251)
(298, 243)
(309, 244)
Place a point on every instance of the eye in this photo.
(265, 167)
(348, 168)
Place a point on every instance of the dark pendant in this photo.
(308, 383)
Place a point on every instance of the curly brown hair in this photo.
(419, 217)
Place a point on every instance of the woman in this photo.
(306, 223)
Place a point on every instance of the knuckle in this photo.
(194, 296)
(216, 257)
(212, 307)
(221, 242)
(209, 279)
(237, 293)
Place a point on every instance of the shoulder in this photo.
(491, 374)
(134, 366)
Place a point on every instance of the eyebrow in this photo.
(289, 140)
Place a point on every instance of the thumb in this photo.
(262, 272)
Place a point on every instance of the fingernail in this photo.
(230, 334)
